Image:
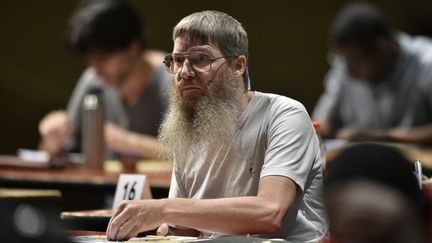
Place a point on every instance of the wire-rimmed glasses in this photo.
(200, 61)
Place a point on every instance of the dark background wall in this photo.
(288, 48)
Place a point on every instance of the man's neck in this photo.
(246, 99)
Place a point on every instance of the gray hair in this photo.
(217, 28)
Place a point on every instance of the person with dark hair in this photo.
(372, 195)
(109, 35)
(380, 82)
(367, 212)
(245, 162)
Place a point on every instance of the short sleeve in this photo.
(292, 148)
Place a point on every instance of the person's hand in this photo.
(130, 143)
(135, 216)
(359, 134)
(55, 131)
(163, 229)
(117, 138)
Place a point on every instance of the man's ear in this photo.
(240, 64)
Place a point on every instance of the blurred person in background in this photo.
(109, 36)
(372, 195)
(380, 83)
(366, 212)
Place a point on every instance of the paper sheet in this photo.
(152, 238)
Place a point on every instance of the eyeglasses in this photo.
(200, 61)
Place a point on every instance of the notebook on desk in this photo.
(39, 159)
(12, 160)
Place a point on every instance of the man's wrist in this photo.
(164, 204)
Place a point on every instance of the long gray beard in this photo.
(204, 127)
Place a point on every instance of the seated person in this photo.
(372, 195)
(380, 82)
(245, 162)
(110, 38)
(366, 212)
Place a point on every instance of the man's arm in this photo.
(420, 134)
(263, 213)
(55, 130)
(122, 140)
(326, 109)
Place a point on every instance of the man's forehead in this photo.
(187, 44)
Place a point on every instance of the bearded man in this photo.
(245, 162)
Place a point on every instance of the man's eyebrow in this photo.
(203, 47)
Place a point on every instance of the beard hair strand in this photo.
(204, 127)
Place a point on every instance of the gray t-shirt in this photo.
(143, 116)
(403, 99)
(275, 137)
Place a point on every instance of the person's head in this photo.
(363, 36)
(109, 36)
(209, 63)
(378, 164)
(367, 212)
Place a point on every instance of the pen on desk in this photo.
(419, 173)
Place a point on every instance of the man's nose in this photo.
(187, 71)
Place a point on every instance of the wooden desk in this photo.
(90, 220)
(82, 188)
(13, 193)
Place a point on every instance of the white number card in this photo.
(131, 187)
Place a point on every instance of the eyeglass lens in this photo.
(199, 61)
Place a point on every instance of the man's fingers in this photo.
(120, 208)
(116, 221)
(127, 230)
(163, 229)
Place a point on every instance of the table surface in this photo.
(158, 173)
(81, 188)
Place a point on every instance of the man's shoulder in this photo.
(279, 102)
(419, 46)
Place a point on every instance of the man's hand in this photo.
(117, 138)
(125, 141)
(133, 217)
(163, 230)
(55, 131)
(359, 134)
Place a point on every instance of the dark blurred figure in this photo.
(380, 82)
(372, 195)
(365, 212)
(109, 37)
(30, 220)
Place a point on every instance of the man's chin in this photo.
(115, 82)
(190, 103)
(191, 98)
